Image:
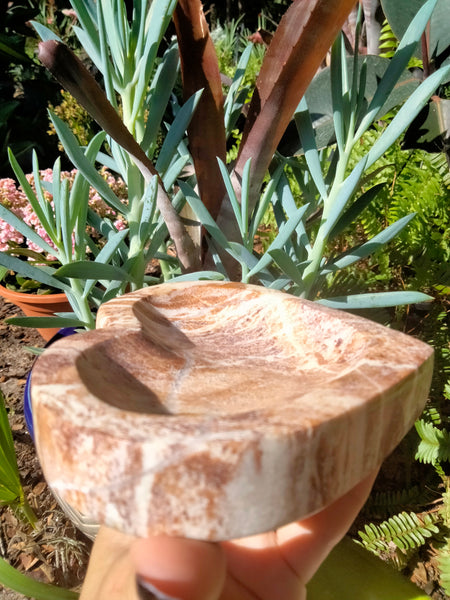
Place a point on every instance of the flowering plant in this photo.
(17, 244)
(53, 220)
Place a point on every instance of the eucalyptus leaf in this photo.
(113, 73)
(245, 192)
(284, 233)
(433, 129)
(369, 247)
(306, 132)
(85, 269)
(199, 276)
(376, 300)
(34, 202)
(334, 207)
(203, 215)
(91, 45)
(158, 19)
(40, 274)
(355, 209)
(176, 132)
(407, 113)
(232, 104)
(82, 163)
(264, 201)
(44, 32)
(337, 92)
(287, 265)
(148, 210)
(116, 43)
(25, 229)
(159, 95)
(105, 255)
(232, 195)
(318, 98)
(174, 171)
(86, 13)
(46, 322)
(397, 65)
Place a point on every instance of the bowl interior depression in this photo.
(227, 357)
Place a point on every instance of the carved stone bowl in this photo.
(220, 410)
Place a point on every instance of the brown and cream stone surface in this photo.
(220, 410)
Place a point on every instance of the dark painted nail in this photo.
(147, 591)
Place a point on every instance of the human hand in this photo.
(270, 566)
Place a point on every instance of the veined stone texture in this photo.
(218, 410)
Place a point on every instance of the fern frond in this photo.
(405, 531)
(434, 444)
(439, 162)
(381, 505)
(444, 511)
(388, 42)
(444, 550)
(432, 415)
(444, 567)
(447, 391)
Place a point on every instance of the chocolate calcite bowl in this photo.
(220, 410)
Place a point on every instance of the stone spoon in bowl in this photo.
(221, 410)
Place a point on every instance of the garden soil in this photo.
(55, 551)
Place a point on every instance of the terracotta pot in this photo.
(36, 305)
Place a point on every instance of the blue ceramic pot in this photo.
(27, 409)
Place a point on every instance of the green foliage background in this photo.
(414, 181)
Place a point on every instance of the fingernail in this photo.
(147, 591)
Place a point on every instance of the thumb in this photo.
(180, 569)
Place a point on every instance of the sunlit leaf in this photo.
(375, 300)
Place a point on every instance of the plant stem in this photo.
(318, 248)
(28, 512)
(80, 304)
(165, 270)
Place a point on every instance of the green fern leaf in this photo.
(388, 42)
(444, 511)
(384, 504)
(406, 531)
(434, 444)
(444, 551)
(439, 162)
(432, 415)
(444, 567)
